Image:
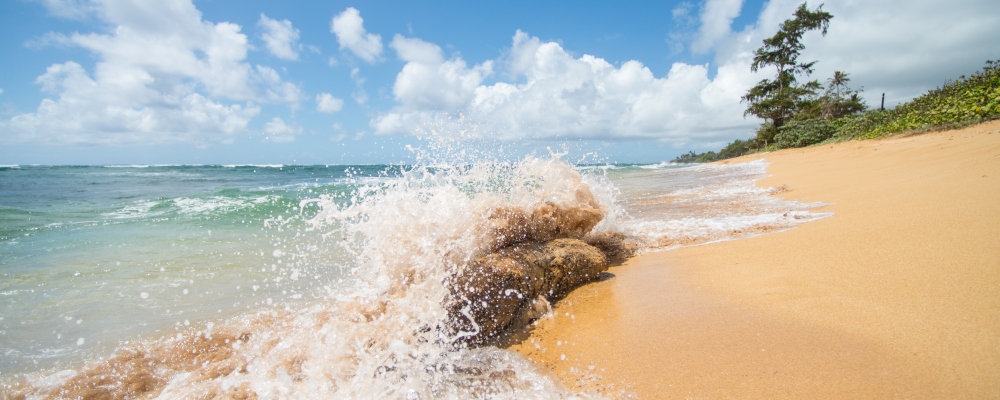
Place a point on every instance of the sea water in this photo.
(289, 281)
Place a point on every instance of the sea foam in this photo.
(372, 323)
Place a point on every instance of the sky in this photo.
(335, 82)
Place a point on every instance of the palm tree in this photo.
(838, 83)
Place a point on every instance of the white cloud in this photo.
(1, 91)
(716, 17)
(272, 88)
(86, 112)
(326, 103)
(559, 96)
(681, 12)
(360, 96)
(71, 9)
(349, 28)
(280, 37)
(339, 133)
(278, 131)
(163, 75)
(901, 48)
(428, 82)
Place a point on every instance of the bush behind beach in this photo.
(967, 100)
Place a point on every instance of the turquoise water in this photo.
(93, 255)
(331, 276)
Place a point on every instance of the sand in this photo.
(897, 295)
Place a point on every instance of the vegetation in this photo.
(968, 100)
(779, 100)
(735, 149)
(798, 115)
(804, 133)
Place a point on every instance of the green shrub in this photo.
(969, 99)
(735, 149)
(804, 133)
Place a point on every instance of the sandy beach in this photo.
(897, 295)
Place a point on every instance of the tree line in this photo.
(798, 114)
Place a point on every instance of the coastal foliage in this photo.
(797, 114)
(804, 133)
(837, 102)
(778, 100)
(968, 100)
(735, 149)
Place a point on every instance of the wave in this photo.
(253, 165)
(386, 333)
(390, 322)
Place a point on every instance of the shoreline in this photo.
(896, 295)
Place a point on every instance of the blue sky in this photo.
(219, 82)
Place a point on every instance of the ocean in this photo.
(304, 281)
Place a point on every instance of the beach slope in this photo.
(896, 295)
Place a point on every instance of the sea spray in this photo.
(384, 334)
(345, 293)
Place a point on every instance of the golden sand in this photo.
(895, 296)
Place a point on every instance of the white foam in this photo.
(712, 203)
(376, 331)
(254, 165)
(139, 209)
(406, 235)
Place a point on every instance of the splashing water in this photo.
(368, 266)
(381, 334)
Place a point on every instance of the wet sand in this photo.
(895, 296)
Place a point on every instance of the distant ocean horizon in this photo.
(278, 259)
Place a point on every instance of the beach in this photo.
(861, 269)
(893, 296)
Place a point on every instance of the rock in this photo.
(544, 222)
(616, 246)
(512, 286)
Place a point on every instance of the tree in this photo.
(840, 100)
(777, 100)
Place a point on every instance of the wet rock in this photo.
(546, 221)
(512, 286)
(615, 245)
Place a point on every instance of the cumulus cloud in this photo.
(716, 18)
(326, 103)
(280, 37)
(558, 96)
(429, 82)
(901, 48)
(163, 75)
(349, 28)
(86, 112)
(277, 131)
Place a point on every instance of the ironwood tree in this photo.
(777, 100)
